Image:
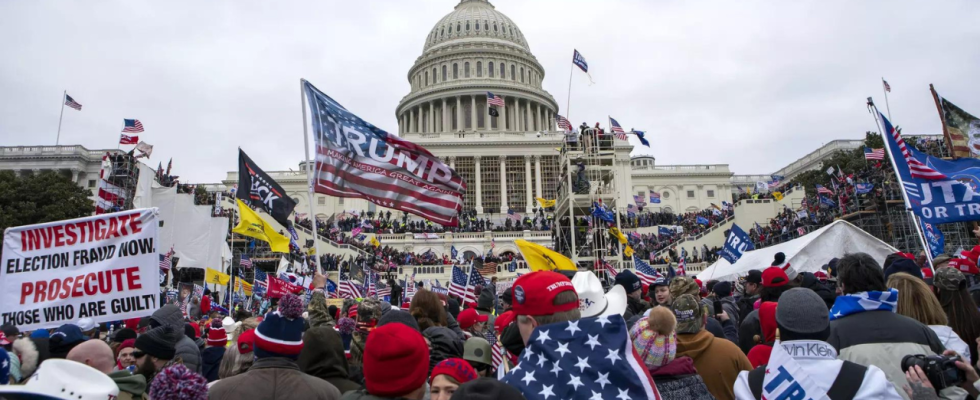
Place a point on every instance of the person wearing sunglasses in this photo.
(155, 350)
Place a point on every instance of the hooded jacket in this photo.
(187, 350)
(718, 361)
(759, 355)
(273, 378)
(26, 350)
(131, 386)
(445, 344)
(731, 308)
(820, 363)
(323, 357)
(679, 380)
(826, 293)
(211, 361)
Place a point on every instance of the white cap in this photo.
(68, 380)
(592, 302)
(86, 324)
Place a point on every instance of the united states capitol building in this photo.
(507, 160)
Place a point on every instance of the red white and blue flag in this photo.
(245, 262)
(494, 100)
(132, 126)
(644, 271)
(457, 286)
(126, 139)
(916, 168)
(358, 160)
(823, 190)
(563, 123)
(874, 154)
(70, 102)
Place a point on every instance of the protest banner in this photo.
(738, 243)
(279, 288)
(99, 267)
(339, 303)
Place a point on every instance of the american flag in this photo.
(644, 271)
(916, 168)
(348, 288)
(126, 139)
(475, 279)
(579, 359)
(457, 286)
(494, 100)
(823, 190)
(621, 136)
(429, 188)
(261, 282)
(888, 88)
(513, 215)
(654, 197)
(132, 126)
(370, 288)
(70, 102)
(615, 127)
(682, 267)
(245, 262)
(166, 260)
(383, 290)
(410, 287)
(874, 154)
(497, 351)
(563, 123)
(605, 266)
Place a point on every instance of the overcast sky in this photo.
(753, 84)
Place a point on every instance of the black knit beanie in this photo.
(160, 342)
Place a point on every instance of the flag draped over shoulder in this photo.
(252, 225)
(540, 258)
(260, 190)
(359, 160)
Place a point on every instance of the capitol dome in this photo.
(473, 50)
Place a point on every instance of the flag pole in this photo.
(887, 108)
(901, 184)
(64, 96)
(568, 97)
(942, 119)
(309, 174)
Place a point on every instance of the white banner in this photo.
(426, 235)
(104, 267)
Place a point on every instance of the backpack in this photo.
(845, 386)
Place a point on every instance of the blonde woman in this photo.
(916, 301)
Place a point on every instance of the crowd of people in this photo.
(383, 222)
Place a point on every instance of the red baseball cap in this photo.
(927, 273)
(3, 339)
(534, 293)
(774, 277)
(964, 265)
(468, 317)
(502, 321)
(822, 276)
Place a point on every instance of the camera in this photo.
(941, 370)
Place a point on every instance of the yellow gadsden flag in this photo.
(619, 235)
(546, 203)
(540, 258)
(252, 225)
(375, 242)
(778, 196)
(628, 251)
(215, 277)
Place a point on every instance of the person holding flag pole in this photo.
(905, 197)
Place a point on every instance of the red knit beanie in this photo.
(396, 361)
(456, 368)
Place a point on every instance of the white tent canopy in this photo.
(807, 253)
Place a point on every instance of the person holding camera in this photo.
(925, 375)
(804, 364)
(865, 328)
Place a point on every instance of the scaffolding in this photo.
(889, 221)
(120, 174)
(587, 176)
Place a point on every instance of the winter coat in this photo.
(454, 326)
(746, 304)
(187, 350)
(273, 378)
(445, 344)
(722, 330)
(211, 361)
(26, 351)
(822, 366)
(679, 380)
(951, 341)
(363, 395)
(826, 293)
(882, 338)
(635, 307)
(748, 330)
(131, 386)
(323, 357)
(717, 361)
(731, 308)
(319, 312)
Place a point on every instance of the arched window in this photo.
(522, 74)
(443, 33)
(443, 73)
(455, 71)
(477, 23)
(495, 26)
(479, 69)
(490, 68)
(502, 71)
(513, 72)
(467, 26)
(434, 75)
(486, 26)
(426, 78)
(466, 70)
(450, 29)
(459, 27)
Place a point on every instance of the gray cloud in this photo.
(752, 84)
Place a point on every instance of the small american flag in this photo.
(563, 123)
(494, 100)
(622, 136)
(513, 215)
(823, 190)
(348, 288)
(70, 102)
(245, 262)
(498, 353)
(615, 127)
(644, 271)
(166, 261)
(457, 286)
(132, 125)
(874, 154)
(126, 139)
(888, 88)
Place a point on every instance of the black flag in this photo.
(259, 190)
(493, 112)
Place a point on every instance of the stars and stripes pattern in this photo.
(874, 154)
(916, 168)
(591, 358)
(410, 287)
(513, 215)
(494, 100)
(682, 267)
(497, 351)
(245, 262)
(823, 190)
(888, 88)
(563, 123)
(261, 283)
(615, 127)
(475, 280)
(132, 126)
(457, 286)
(70, 102)
(348, 289)
(644, 271)
(429, 188)
(166, 260)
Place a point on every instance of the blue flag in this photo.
(863, 188)
(934, 238)
(827, 202)
(580, 62)
(513, 266)
(599, 211)
(331, 286)
(738, 243)
(702, 220)
(939, 191)
(642, 136)
(663, 230)
(453, 252)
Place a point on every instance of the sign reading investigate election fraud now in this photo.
(103, 267)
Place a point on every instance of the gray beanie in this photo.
(801, 310)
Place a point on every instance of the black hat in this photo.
(486, 389)
(754, 276)
(722, 289)
(159, 342)
(629, 281)
(189, 331)
(123, 334)
(399, 316)
(508, 296)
